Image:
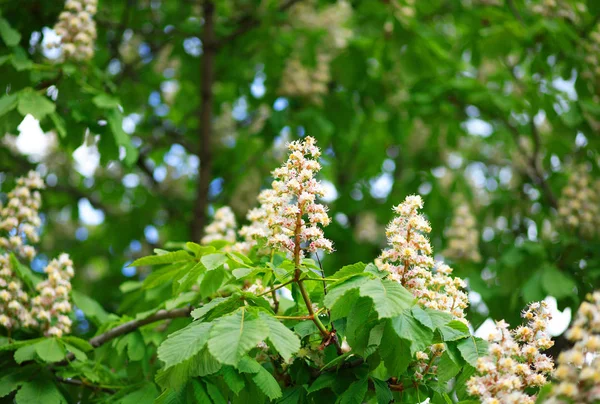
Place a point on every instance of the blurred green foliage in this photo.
(488, 103)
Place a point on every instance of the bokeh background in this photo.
(487, 108)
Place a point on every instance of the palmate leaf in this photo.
(184, 344)
(408, 328)
(389, 297)
(472, 348)
(39, 390)
(234, 335)
(395, 352)
(285, 341)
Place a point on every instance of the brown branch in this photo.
(248, 23)
(77, 382)
(131, 326)
(205, 126)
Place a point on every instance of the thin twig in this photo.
(131, 326)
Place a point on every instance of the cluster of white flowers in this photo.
(332, 19)
(463, 236)
(51, 308)
(578, 372)
(259, 219)
(309, 82)
(294, 198)
(426, 362)
(14, 302)
(591, 52)
(19, 219)
(564, 9)
(514, 363)
(405, 10)
(367, 229)
(77, 29)
(410, 262)
(225, 126)
(579, 204)
(303, 81)
(47, 311)
(222, 227)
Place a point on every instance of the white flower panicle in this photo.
(579, 204)
(463, 236)
(331, 19)
(299, 80)
(514, 362)
(409, 261)
(77, 29)
(51, 308)
(563, 9)
(297, 216)
(591, 48)
(259, 219)
(14, 302)
(19, 219)
(223, 227)
(578, 372)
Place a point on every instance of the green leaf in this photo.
(213, 261)
(557, 283)
(285, 341)
(105, 101)
(30, 102)
(20, 61)
(389, 297)
(50, 350)
(59, 124)
(234, 335)
(207, 364)
(136, 348)
(382, 392)
(338, 289)
(10, 36)
(145, 394)
(214, 393)
(8, 102)
(39, 390)
(216, 303)
(355, 392)
(408, 328)
(325, 380)
(395, 351)
(447, 368)
(200, 393)
(233, 379)
(472, 348)
(91, 308)
(267, 384)
(241, 272)
(183, 344)
(14, 379)
(115, 123)
(454, 330)
(167, 258)
(25, 353)
(349, 270)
